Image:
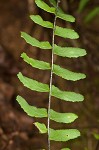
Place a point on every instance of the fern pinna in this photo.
(70, 52)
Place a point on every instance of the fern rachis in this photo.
(51, 76)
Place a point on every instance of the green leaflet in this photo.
(41, 4)
(68, 75)
(34, 42)
(62, 117)
(65, 149)
(66, 96)
(40, 87)
(64, 73)
(53, 2)
(59, 135)
(41, 127)
(35, 63)
(38, 19)
(66, 33)
(65, 17)
(64, 135)
(33, 84)
(31, 110)
(92, 14)
(70, 52)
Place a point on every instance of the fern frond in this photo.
(94, 12)
(69, 52)
(82, 5)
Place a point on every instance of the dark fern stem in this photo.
(97, 146)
